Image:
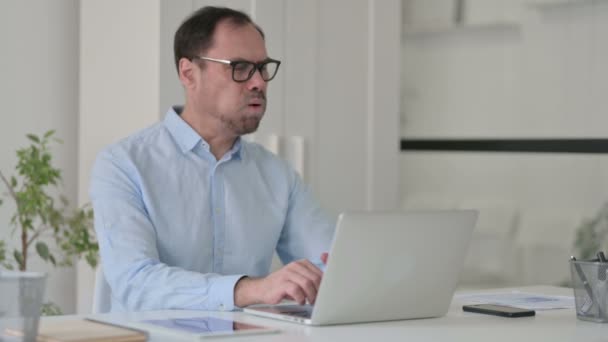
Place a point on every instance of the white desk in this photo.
(553, 325)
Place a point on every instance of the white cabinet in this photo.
(421, 15)
(441, 16)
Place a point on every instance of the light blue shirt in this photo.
(177, 228)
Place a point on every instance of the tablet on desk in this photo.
(202, 327)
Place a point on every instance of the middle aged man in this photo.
(188, 214)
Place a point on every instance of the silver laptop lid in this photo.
(388, 266)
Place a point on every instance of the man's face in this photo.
(239, 106)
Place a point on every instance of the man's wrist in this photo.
(244, 292)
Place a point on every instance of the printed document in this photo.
(522, 300)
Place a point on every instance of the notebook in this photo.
(84, 330)
(387, 266)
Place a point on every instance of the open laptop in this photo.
(386, 266)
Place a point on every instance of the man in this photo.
(188, 214)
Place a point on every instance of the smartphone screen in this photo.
(498, 310)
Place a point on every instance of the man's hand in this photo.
(298, 281)
(324, 257)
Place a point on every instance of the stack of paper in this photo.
(522, 300)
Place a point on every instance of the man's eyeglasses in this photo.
(242, 71)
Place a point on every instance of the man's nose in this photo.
(256, 81)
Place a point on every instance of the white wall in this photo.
(536, 71)
(39, 92)
(119, 87)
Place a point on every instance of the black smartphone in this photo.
(498, 310)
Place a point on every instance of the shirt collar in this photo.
(237, 149)
(187, 138)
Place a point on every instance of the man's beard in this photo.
(245, 124)
(248, 123)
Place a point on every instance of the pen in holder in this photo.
(590, 288)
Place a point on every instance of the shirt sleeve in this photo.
(308, 231)
(130, 259)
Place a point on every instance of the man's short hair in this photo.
(195, 34)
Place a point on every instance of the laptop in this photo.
(386, 266)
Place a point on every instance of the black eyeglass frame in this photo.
(257, 66)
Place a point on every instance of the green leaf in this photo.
(33, 138)
(52, 260)
(91, 259)
(13, 182)
(18, 258)
(27, 223)
(2, 251)
(43, 250)
(49, 133)
(50, 309)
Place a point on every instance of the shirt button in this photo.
(218, 210)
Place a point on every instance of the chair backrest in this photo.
(103, 294)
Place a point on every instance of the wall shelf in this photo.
(534, 145)
(548, 4)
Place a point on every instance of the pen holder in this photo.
(590, 284)
(20, 301)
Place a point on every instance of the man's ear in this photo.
(186, 72)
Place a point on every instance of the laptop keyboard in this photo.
(297, 310)
(304, 314)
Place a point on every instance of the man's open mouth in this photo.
(255, 105)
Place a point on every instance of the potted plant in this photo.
(39, 217)
(592, 235)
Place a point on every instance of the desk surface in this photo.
(552, 325)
